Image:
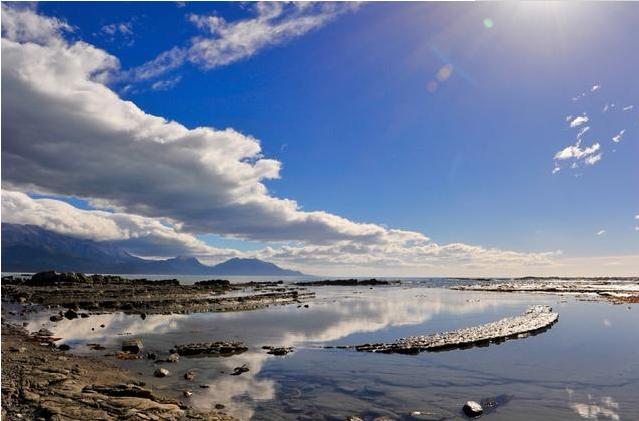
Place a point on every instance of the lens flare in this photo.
(488, 23)
(431, 87)
(445, 72)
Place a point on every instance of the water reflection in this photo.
(320, 384)
(596, 409)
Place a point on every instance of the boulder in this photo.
(472, 409)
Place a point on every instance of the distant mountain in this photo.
(28, 248)
(250, 267)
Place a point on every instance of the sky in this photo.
(344, 139)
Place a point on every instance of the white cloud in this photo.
(22, 24)
(575, 151)
(138, 235)
(601, 232)
(556, 170)
(226, 42)
(628, 108)
(124, 28)
(595, 88)
(582, 132)
(579, 120)
(617, 138)
(164, 85)
(592, 160)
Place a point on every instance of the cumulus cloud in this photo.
(576, 152)
(579, 120)
(139, 235)
(224, 42)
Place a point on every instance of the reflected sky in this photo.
(316, 383)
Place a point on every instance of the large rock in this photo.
(472, 409)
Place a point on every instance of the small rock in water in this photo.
(173, 358)
(161, 372)
(151, 356)
(219, 406)
(472, 409)
(84, 315)
(56, 318)
(64, 347)
(187, 393)
(353, 418)
(239, 370)
(189, 375)
(71, 314)
(133, 346)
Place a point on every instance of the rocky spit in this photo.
(39, 382)
(104, 293)
(534, 320)
(618, 291)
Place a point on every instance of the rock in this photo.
(56, 318)
(96, 347)
(214, 348)
(219, 406)
(151, 356)
(161, 372)
(143, 316)
(133, 346)
(64, 347)
(240, 370)
(84, 315)
(173, 358)
(353, 418)
(536, 319)
(189, 375)
(187, 393)
(472, 409)
(71, 314)
(279, 350)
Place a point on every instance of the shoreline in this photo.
(41, 382)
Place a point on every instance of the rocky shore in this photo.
(618, 291)
(40, 382)
(103, 293)
(535, 320)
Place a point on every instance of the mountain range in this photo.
(29, 248)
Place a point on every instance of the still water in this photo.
(584, 367)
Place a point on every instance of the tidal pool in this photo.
(585, 367)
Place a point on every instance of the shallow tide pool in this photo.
(584, 367)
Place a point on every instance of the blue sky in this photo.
(346, 109)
